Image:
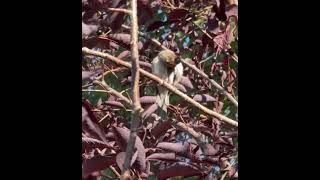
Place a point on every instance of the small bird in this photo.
(167, 67)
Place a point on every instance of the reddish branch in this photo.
(164, 84)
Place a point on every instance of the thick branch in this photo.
(164, 84)
(136, 106)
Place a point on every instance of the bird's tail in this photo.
(163, 102)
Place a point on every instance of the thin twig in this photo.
(224, 175)
(136, 106)
(113, 92)
(120, 10)
(164, 84)
(94, 90)
(115, 171)
(213, 82)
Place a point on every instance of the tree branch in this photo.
(164, 84)
(136, 106)
(120, 10)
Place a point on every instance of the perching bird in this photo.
(167, 67)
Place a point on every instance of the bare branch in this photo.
(164, 84)
(214, 83)
(136, 106)
(120, 10)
